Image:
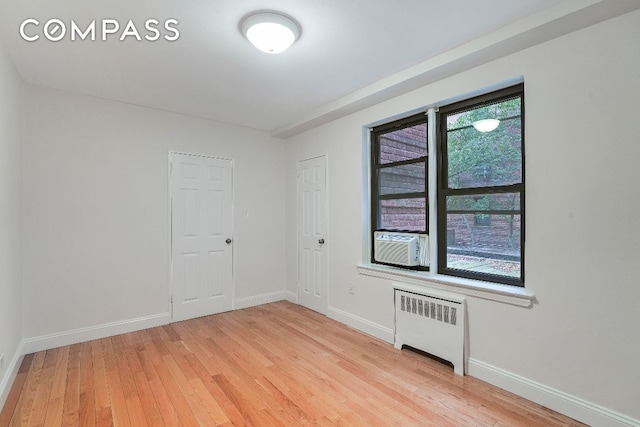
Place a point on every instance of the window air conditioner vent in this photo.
(400, 248)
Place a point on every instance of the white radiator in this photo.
(433, 322)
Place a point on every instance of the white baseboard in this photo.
(46, 342)
(260, 299)
(571, 406)
(11, 373)
(361, 324)
(292, 297)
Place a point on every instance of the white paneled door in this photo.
(201, 245)
(312, 234)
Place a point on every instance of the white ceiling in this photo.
(351, 52)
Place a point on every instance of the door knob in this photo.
(321, 241)
(228, 241)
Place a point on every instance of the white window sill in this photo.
(475, 288)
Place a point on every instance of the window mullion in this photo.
(484, 211)
(513, 188)
(396, 196)
(401, 163)
(432, 169)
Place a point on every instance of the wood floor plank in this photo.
(209, 402)
(71, 403)
(223, 400)
(164, 404)
(100, 388)
(136, 412)
(178, 400)
(86, 398)
(127, 382)
(283, 404)
(119, 410)
(27, 397)
(198, 410)
(13, 405)
(104, 417)
(145, 395)
(278, 364)
(248, 413)
(115, 391)
(235, 371)
(42, 400)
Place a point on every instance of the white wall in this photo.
(583, 232)
(96, 220)
(10, 216)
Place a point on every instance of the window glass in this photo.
(493, 249)
(403, 144)
(401, 179)
(479, 159)
(484, 202)
(404, 214)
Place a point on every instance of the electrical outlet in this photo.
(352, 288)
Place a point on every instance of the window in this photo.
(399, 176)
(480, 184)
(481, 188)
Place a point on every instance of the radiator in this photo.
(433, 322)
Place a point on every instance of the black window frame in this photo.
(443, 190)
(377, 166)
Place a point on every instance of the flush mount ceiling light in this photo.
(269, 31)
(486, 125)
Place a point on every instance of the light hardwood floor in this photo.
(276, 364)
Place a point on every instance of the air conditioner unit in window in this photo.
(404, 249)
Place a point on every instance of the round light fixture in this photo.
(486, 125)
(269, 31)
